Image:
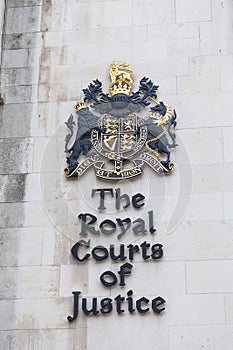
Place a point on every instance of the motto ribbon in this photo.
(98, 163)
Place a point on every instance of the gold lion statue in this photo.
(121, 72)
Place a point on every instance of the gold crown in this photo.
(121, 78)
(79, 105)
(120, 87)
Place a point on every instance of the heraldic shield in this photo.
(116, 133)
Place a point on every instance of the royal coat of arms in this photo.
(120, 132)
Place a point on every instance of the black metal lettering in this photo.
(156, 303)
(119, 197)
(140, 228)
(105, 223)
(124, 226)
(151, 222)
(75, 248)
(93, 310)
(120, 256)
(102, 195)
(136, 199)
(106, 305)
(108, 274)
(75, 312)
(157, 251)
(119, 299)
(139, 305)
(124, 270)
(132, 248)
(86, 225)
(144, 247)
(130, 301)
(101, 249)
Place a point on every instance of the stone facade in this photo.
(50, 51)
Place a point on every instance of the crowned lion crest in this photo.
(117, 133)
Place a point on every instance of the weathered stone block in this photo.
(74, 277)
(32, 187)
(147, 12)
(13, 339)
(16, 155)
(228, 197)
(34, 57)
(199, 83)
(202, 337)
(209, 178)
(227, 72)
(84, 15)
(41, 124)
(55, 56)
(15, 58)
(109, 36)
(9, 243)
(169, 67)
(52, 338)
(202, 109)
(201, 240)
(43, 282)
(21, 41)
(15, 120)
(22, 246)
(214, 41)
(23, 3)
(138, 49)
(173, 31)
(145, 338)
(209, 276)
(64, 109)
(228, 308)
(2, 18)
(228, 144)
(189, 11)
(186, 310)
(51, 185)
(166, 85)
(12, 187)
(57, 338)
(51, 254)
(84, 72)
(56, 17)
(19, 94)
(203, 147)
(12, 215)
(205, 207)
(181, 48)
(28, 20)
(194, 208)
(163, 277)
(36, 313)
(204, 65)
(19, 76)
(35, 214)
(48, 154)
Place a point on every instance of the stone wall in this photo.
(51, 50)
